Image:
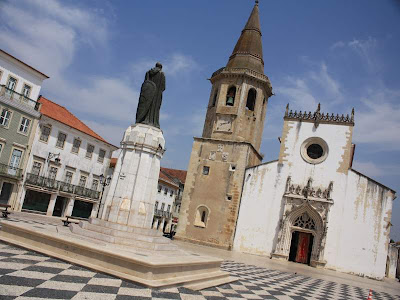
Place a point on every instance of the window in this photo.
(206, 170)
(314, 150)
(102, 153)
(82, 180)
(53, 172)
(215, 98)
(68, 177)
(89, 151)
(95, 184)
(1, 148)
(159, 188)
(162, 206)
(5, 117)
(168, 208)
(165, 191)
(61, 140)
(251, 99)
(304, 221)
(202, 216)
(24, 126)
(45, 132)
(156, 205)
(26, 91)
(11, 84)
(230, 96)
(76, 145)
(37, 166)
(171, 193)
(15, 160)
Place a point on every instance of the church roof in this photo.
(248, 53)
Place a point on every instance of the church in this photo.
(309, 206)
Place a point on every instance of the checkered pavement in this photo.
(27, 275)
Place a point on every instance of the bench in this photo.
(70, 219)
(5, 211)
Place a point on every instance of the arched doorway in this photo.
(302, 239)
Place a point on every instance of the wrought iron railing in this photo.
(162, 213)
(13, 95)
(10, 171)
(65, 187)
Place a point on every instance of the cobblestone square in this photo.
(29, 275)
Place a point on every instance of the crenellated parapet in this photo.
(317, 117)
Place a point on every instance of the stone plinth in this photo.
(131, 197)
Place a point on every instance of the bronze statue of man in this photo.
(148, 110)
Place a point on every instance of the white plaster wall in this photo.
(69, 159)
(357, 236)
(23, 74)
(393, 255)
(167, 199)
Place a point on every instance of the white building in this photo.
(19, 114)
(64, 167)
(310, 206)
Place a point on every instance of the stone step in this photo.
(121, 227)
(76, 229)
(125, 234)
(215, 279)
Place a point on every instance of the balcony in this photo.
(17, 97)
(8, 171)
(162, 213)
(56, 185)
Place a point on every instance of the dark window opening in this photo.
(251, 99)
(82, 209)
(206, 170)
(203, 217)
(215, 98)
(229, 198)
(230, 96)
(36, 201)
(315, 151)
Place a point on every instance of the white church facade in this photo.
(310, 206)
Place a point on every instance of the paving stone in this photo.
(26, 275)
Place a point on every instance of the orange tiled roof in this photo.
(166, 179)
(180, 174)
(61, 114)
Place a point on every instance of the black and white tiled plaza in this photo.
(28, 275)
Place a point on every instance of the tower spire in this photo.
(247, 53)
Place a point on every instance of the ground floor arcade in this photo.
(54, 203)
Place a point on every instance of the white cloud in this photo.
(325, 80)
(173, 65)
(378, 121)
(111, 133)
(339, 44)
(373, 170)
(47, 35)
(297, 92)
(179, 63)
(366, 49)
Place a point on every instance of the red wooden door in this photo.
(302, 248)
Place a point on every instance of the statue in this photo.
(148, 110)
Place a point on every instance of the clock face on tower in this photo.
(224, 123)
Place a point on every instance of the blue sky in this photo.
(342, 54)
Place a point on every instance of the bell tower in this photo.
(229, 144)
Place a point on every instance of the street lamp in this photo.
(104, 181)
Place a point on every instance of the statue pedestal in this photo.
(131, 197)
